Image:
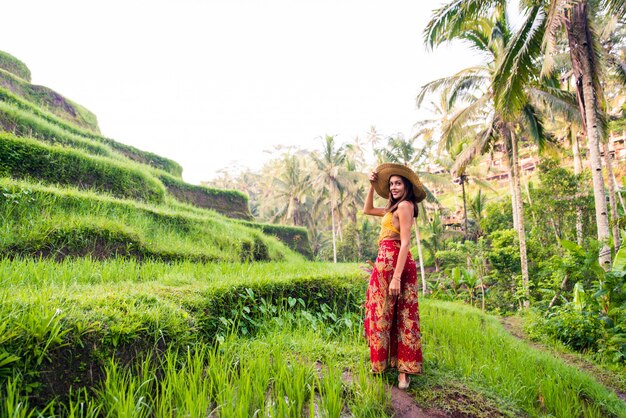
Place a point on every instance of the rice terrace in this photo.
(126, 291)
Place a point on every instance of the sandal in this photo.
(406, 384)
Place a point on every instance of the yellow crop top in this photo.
(387, 230)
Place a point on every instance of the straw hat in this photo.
(386, 170)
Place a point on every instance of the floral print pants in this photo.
(392, 324)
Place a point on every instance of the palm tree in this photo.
(489, 120)
(477, 207)
(291, 187)
(537, 34)
(330, 177)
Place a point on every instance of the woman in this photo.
(392, 325)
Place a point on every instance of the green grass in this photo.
(14, 66)
(50, 100)
(274, 324)
(28, 158)
(23, 117)
(55, 316)
(50, 221)
(475, 347)
(286, 371)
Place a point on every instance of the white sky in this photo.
(218, 82)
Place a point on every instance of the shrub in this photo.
(578, 329)
(499, 216)
(451, 258)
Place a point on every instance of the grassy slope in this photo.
(471, 363)
(47, 98)
(118, 168)
(477, 349)
(26, 119)
(27, 116)
(14, 66)
(59, 222)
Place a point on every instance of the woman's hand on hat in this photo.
(373, 177)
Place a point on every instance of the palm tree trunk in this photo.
(612, 202)
(619, 194)
(332, 222)
(463, 177)
(482, 291)
(583, 65)
(520, 214)
(513, 201)
(578, 168)
(418, 238)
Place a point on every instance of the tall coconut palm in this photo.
(491, 120)
(330, 177)
(432, 130)
(544, 18)
(290, 187)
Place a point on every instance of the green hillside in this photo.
(52, 148)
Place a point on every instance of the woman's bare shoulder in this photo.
(405, 205)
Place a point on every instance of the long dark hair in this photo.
(409, 195)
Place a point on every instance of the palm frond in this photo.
(477, 34)
(467, 77)
(435, 179)
(483, 184)
(554, 21)
(534, 126)
(558, 101)
(616, 8)
(617, 68)
(448, 21)
(474, 148)
(430, 197)
(519, 65)
(457, 126)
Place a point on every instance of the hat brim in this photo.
(386, 170)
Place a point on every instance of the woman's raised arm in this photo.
(368, 206)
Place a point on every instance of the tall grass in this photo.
(475, 346)
(297, 356)
(286, 371)
(37, 218)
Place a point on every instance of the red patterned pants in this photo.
(392, 324)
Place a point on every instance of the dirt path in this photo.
(514, 326)
(404, 406)
(402, 403)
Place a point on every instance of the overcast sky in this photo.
(216, 83)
